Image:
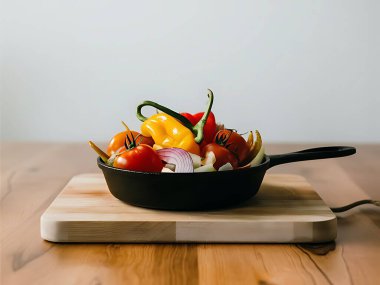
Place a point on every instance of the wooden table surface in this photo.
(32, 174)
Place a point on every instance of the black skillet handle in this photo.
(311, 153)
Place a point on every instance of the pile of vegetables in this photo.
(181, 142)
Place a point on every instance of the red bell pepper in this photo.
(209, 129)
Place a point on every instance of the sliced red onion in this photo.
(181, 158)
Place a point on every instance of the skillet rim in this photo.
(265, 162)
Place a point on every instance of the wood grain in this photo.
(30, 181)
(285, 210)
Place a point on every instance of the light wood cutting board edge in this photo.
(52, 227)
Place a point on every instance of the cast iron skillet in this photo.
(206, 190)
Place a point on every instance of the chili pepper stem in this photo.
(197, 130)
(164, 109)
(200, 125)
(101, 153)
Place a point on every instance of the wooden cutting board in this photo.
(286, 210)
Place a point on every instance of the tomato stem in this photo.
(131, 141)
(222, 139)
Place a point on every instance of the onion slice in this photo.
(177, 156)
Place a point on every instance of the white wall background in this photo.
(304, 71)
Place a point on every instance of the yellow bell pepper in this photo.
(166, 131)
(171, 129)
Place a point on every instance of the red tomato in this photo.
(234, 142)
(118, 140)
(222, 155)
(140, 158)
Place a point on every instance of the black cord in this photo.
(355, 204)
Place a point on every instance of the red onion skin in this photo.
(179, 157)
